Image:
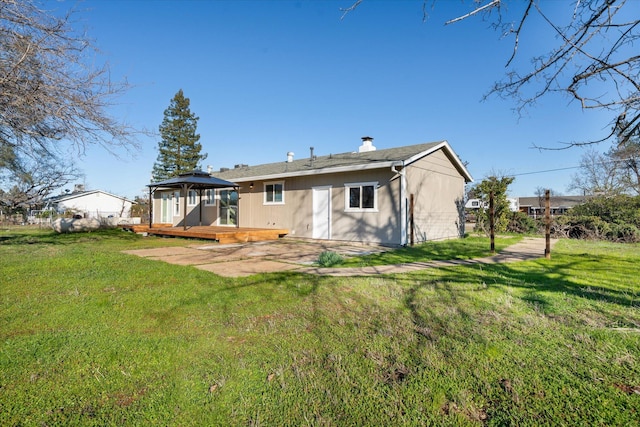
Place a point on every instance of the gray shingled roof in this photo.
(326, 164)
(195, 179)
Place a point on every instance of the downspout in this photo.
(403, 201)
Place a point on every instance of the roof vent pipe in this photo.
(290, 157)
(311, 156)
(366, 145)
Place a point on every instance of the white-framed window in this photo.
(192, 198)
(361, 196)
(176, 203)
(274, 193)
(209, 197)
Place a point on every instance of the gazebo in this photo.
(195, 180)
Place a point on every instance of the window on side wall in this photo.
(191, 199)
(361, 196)
(274, 193)
(209, 197)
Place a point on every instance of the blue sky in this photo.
(268, 77)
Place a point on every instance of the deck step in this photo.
(223, 235)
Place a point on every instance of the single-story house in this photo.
(391, 196)
(535, 206)
(90, 204)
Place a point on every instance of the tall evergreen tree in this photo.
(179, 150)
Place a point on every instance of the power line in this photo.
(572, 167)
(545, 171)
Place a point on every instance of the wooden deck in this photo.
(223, 235)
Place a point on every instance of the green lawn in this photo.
(91, 336)
(468, 248)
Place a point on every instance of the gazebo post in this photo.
(185, 189)
(200, 207)
(238, 208)
(150, 209)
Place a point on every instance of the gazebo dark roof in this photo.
(194, 180)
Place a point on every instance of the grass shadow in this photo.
(462, 249)
(51, 237)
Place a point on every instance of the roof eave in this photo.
(338, 169)
(450, 153)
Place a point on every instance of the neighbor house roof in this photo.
(556, 201)
(343, 162)
(76, 194)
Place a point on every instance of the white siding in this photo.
(96, 204)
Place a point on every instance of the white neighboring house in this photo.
(91, 204)
(514, 205)
(474, 204)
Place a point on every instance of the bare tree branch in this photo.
(517, 32)
(351, 8)
(51, 95)
(31, 181)
(595, 62)
(493, 3)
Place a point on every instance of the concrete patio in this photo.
(239, 260)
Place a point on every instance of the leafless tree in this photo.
(626, 155)
(595, 60)
(627, 162)
(541, 194)
(597, 175)
(29, 183)
(52, 96)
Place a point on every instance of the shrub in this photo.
(329, 259)
(626, 233)
(580, 227)
(519, 222)
(606, 218)
(617, 209)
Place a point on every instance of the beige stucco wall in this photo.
(438, 189)
(296, 214)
